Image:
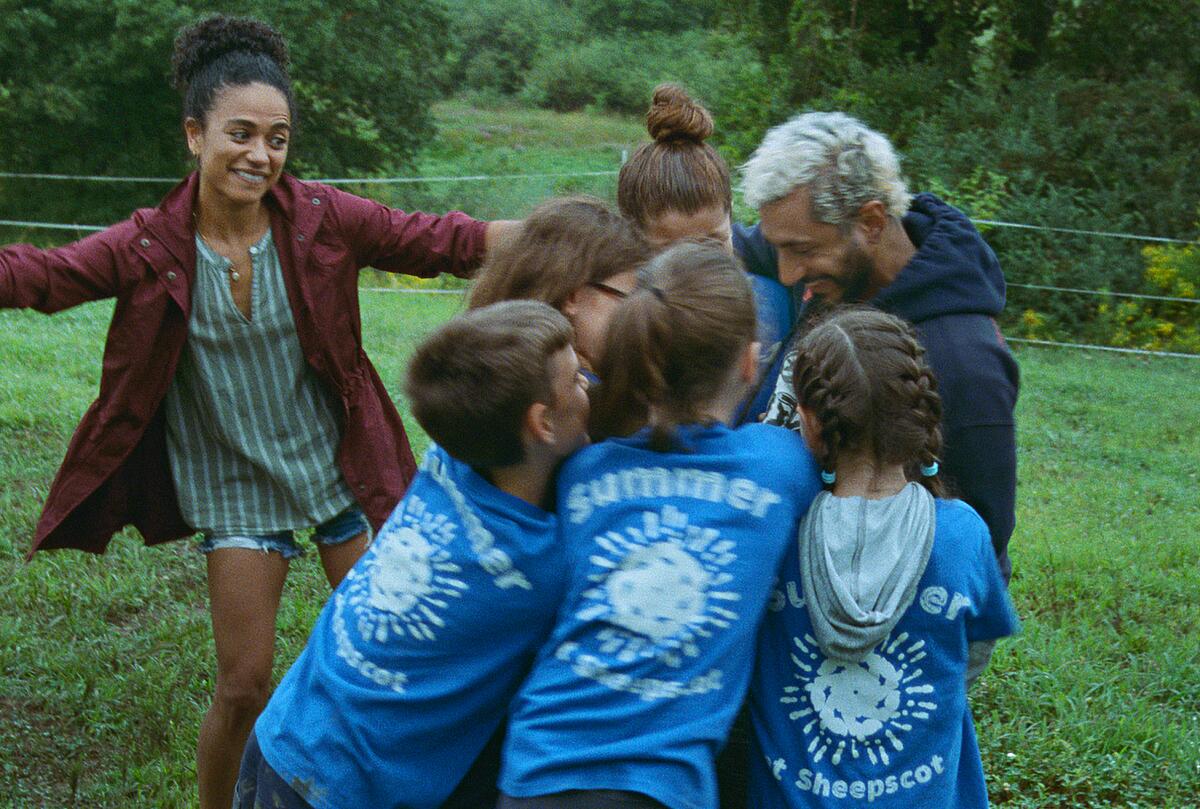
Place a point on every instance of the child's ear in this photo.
(748, 365)
(537, 424)
(570, 306)
(810, 428)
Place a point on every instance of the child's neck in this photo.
(718, 410)
(526, 481)
(859, 477)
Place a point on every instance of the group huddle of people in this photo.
(712, 515)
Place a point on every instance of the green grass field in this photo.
(106, 662)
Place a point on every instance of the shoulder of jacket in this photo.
(131, 231)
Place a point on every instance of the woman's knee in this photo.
(242, 694)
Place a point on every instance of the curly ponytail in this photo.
(863, 376)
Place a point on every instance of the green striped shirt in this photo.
(251, 433)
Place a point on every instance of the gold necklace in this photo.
(234, 275)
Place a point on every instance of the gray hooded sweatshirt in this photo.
(860, 562)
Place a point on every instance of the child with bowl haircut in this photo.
(413, 661)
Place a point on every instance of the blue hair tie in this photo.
(829, 476)
(930, 470)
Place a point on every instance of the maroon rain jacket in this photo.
(116, 471)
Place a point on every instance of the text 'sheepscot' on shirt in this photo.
(672, 556)
(413, 660)
(895, 730)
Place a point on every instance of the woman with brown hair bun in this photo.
(678, 187)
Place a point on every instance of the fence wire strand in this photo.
(610, 173)
(1105, 293)
(1140, 351)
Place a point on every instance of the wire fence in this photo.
(1020, 340)
(96, 178)
(609, 173)
(1106, 293)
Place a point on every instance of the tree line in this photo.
(1070, 113)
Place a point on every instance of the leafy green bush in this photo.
(1171, 271)
(495, 42)
(619, 72)
(646, 16)
(608, 73)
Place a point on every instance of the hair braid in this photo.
(926, 408)
(830, 386)
(862, 375)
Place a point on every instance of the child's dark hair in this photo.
(563, 245)
(862, 374)
(678, 171)
(671, 345)
(222, 51)
(472, 380)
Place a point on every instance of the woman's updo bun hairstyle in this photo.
(678, 171)
(222, 51)
(674, 116)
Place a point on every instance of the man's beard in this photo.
(854, 281)
(857, 270)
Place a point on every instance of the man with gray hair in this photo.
(845, 229)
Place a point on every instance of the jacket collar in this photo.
(170, 224)
(167, 236)
(291, 200)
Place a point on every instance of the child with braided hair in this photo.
(673, 528)
(860, 689)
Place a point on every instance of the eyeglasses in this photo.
(619, 294)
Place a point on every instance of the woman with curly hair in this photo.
(235, 398)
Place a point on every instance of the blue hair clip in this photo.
(829, 476)
(930, 470)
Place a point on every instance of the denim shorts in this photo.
(334, 531)
(259, 785)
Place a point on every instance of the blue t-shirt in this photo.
(671, 559)
(413, 661)
(895, 730)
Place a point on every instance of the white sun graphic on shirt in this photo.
(407, 578)
(863, 708)
(658, 587)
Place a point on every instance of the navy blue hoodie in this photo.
(951, 292)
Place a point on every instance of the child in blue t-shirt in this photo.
(413, 661)
(859, 695)
(673, 531)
